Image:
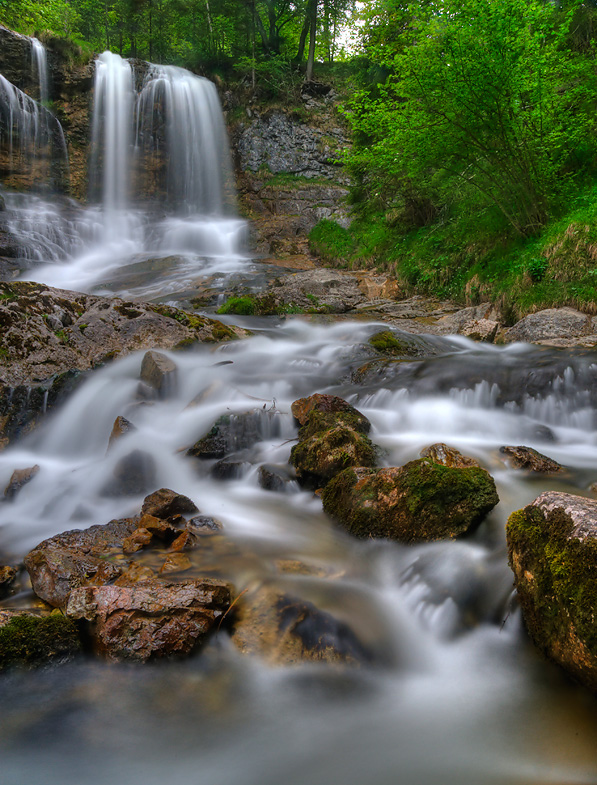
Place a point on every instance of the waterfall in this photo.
(28, 131)
(111, 138)
(39, 62)
(198, 168)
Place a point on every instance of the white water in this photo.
(107, 247)
(459, 697)
(39, 61)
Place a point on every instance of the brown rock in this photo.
(121, 427)
(328, 405)
(7, 578)
(61, 563)
(137, 541)
(150, 618)
(204, 524)
(163, 530)
(159, 372)
(183, 542)
(176, 562)
(19, 478)
(165, 503)
(447, 456)
(526, 458)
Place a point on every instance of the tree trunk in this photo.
(303, 40)
(312, 37)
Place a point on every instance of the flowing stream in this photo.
(458, 694)
(455, 694)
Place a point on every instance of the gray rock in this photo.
(483, 330)
(159, 372)
(284, 144)
(551, 325)
(19, 478)
(321, 289)
(453, 323)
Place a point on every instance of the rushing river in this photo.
(459, 696)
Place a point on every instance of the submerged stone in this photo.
(527, 458)
(418, 502)
(552, 550)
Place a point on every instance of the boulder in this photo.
(286, 630)
(159, 372)
(272, 477)
(134, 474)
(19, 478)
(456, 323)
(320, 290)
(235, 432)
(552, 550)
(551, 325)
(165, 503)
(28, 638)
(63, 562)
(527, 458)
(332, 437)
(447, 456)
(150, 618)
(418, 502)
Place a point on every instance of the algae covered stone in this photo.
(552, 549)
(332, 437)
(29, 639)
(418, 502)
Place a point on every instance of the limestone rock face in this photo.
(552, 549)
(418, 502)
(333, 436)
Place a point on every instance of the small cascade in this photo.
(39, 62)
(186, 110)
(29, 134)
(111, 139)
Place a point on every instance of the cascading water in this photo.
(39, 60)
(458, 696)
(109, 247)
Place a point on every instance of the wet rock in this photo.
(331, 438)
(286, 630)
(388, 343)
(551, 325)
(274, 478)
(137, 541)
(30, 639)
(159, 372)
(165, 503)
(448, 456)
(150, 618)
(328, 409)
(121, 427)
(176, 562)
(227, 470)
(204, 524)
(134, 474)
(161, 529)
(483, 330)
(235, 432)
(19, 478)
(418, 502)
(552, 550)
(526, 458)
(61, 563)
(97, 329)
(8, 575)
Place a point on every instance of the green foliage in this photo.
(242, 306)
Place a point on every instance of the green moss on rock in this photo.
(555, 568)
(418, 502)
(27, 639)
(385, 342)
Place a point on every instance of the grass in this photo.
(473, 259)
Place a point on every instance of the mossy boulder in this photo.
(552, 549)
(29, 639)
(418, 502)
(332, 437)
